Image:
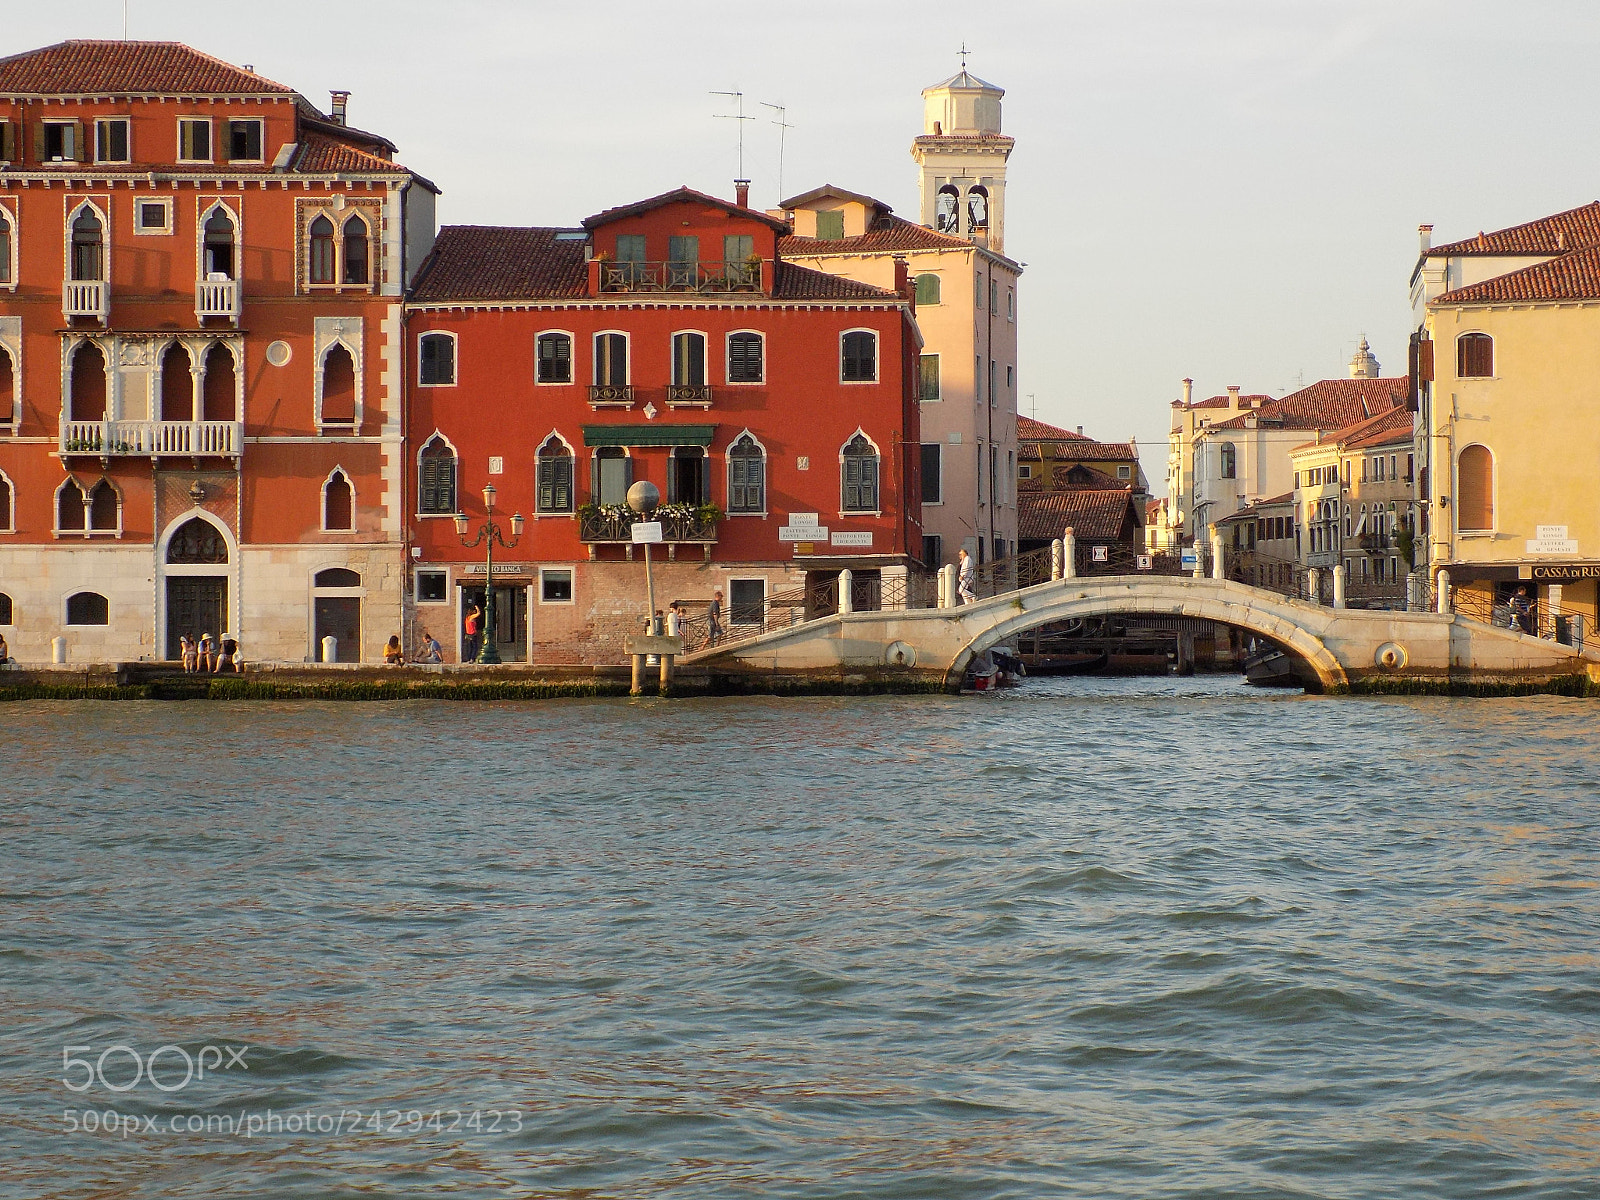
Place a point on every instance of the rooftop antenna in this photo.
(124, 20)
(1033, 406)
(739, 116)
(783, 126)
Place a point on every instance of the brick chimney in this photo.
(741, 192)
(1425, 236)
(1188, 392)
(902, 279)
(1233, 397)
(341, 101)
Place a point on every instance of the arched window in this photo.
(338, 503)
(5, 610)
(88, 383)
(104, 508)
(197, 542)
(747, 476)
(218, 403)
(977, 207)
(1475, 490)
(927, 289)
(436, 358)
(436, 477)
(859, 476)
(88, 608)
(613, 472)
(219, 245)
(858, 356)
(1474, 356)
(322, 255)
(611, 360)
(688, 360)
(336, 577)
(88, 246)
(338, 386)
(8, 390)
(70, 512)
(356, 254)
(745, 358)
(553, 482)
(687, 481)
(554, 354)
(1230, 460)
(947, 209)
(177, 385)
(7, 512)
(5, 249)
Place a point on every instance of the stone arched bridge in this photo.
(1333, 647)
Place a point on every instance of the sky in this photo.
(1222, 189)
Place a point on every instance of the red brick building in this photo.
(201, 285)
(774, 406)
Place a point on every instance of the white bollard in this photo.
(1056, 550)
(846, 580)
(58, 650)
(1444, 591)
(330, 649)
(1217, 571)
(1069, 555)
(1314, 585)
(1338, 585)
(950, 585)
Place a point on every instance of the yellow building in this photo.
(1506, 369)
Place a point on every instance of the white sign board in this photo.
(646, 533)
(1550, 533)
(1145, 562)
(801, 533)
(1543, 545)
(1189, 560)
(798, 519)
(853, 539)
(1101, 554)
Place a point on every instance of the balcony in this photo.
(86, 298)
(689, 395)
(707, 278)
(610, 395)
(217, 298)
(150, 439)
(679, 523)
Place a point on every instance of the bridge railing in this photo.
(795, 606)
(1556, 622)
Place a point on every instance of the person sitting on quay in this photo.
(431, 651)
(229, 658)
(5, 652)
(186, 654)
(208, 654)
(393, 655)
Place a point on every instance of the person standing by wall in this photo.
(714, 618)
(966, 577)
(472, 626)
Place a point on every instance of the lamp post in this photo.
(643, 498)
(488, 534)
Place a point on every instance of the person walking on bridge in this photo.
(966, 578)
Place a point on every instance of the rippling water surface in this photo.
(1139, 938)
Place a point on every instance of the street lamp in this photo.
(488, 534)
(643, 497)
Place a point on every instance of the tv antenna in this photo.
(738, 116)
(1033, 406)
(783, 127)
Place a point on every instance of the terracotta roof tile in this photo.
(1576, 229)
(1035, 431)
(1572, 276)
(802, 283)
(681, 195)
(78, 68)
(1326, 404)
(1095, 515)
(319, 155)
(1385, 429)
(480, 262)
(888, 233)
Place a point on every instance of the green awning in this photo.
(648, 435)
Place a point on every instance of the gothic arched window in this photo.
(859, 476)
(978, 207)
(553, 482)
(322, 252)
(219, 245)
(747, 476)
(356, 251)
(88, 247)
(436, 477)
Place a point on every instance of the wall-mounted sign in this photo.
(801, 533)
(497, 464)
(805, 548)
(843, 538)
(1551, 539)
(1100, 553)
(1144, 562)
(646, 533)
(797, 519)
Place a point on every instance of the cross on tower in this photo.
(963, 52)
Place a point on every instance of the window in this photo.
(217, 256)
(859, 476)
(194, 139)
(553, 352)
(1124, 471)
(5, 609)
(859, 350)
(737, 251)
(1475, 490)
(1011, 304)
(929, 364)
(5, 249)
(927, 289)
(88, 608)
(355, 251)
(244, 141)
(62, 141)
(994, 474)
(688, 360)
(219, 398)
(745, 358)
(5, 510)
(322, 255)
(111, 140)
(683, 261)
(88, 394)
(613, 472)
(433, 587)
(977, 378)
(932, 473)
(553, 477)
(336, 577)
(946, 209)
(1474, 356)
(338, 386)
(88, 246)
(747, 476)
(747, 601)
(611, 360)
(8, 141)
(630, 247)
(1229, 459)
(1024, 471)
(105, 508)
(436, 355)
(555, 585)
(153, 216)
(830, 226)
(436, 478)
(994, 392)
(932, 551)
(688, 476)
(994, 297)
(1011, 378)
(338, 503)
(977, 207)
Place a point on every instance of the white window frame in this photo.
(339, 470)
(11, 524)
(85, 533)
(101, 211)
(727, 351)
(455, 357)
(727, 586)
(877, 359)
(878, 489)
(594, 357)
(572, 582)
(228, 124)
(416, 499)
(705, 354)
(165, 203)
(766, 475)
(9, 208)
(98, 122)
(572, 359)
(416, 583)
(211, 139)
(351, 428)
(200, 238)
(570, 514)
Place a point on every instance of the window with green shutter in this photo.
(747, 476)
(830, 226)
(932, 473)
(554, 353)
(930, 377)
(553, 485)
(927, 289)
(745, 358)
(860, 476)
(436, 478)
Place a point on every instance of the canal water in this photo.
(1092, 938)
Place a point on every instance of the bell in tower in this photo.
(962, 156)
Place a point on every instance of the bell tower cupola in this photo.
(962, 156)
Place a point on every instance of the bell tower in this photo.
(962, 156)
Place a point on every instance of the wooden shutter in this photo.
(38, 142)
(1475, 489)
(617, 359)
(224, 148)
(8, 141)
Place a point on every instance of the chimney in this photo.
(902, 280)
(1233, 397)
(1080, 430)
(341, 101)
(741, 192)
(1425, 235)
(1188, 392)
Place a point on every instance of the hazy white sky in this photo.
(1226, 189)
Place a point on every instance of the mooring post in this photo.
(58, 650)
(1055, 559)
(1338, 585)
(1069, 554)
(1444, 591)
(638, 676)
(1218, 570)
(846, 600)
(666, 671)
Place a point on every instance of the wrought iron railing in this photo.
(1539, 618)
(706, 277)
(689, 393)
(610, 525)
(610, 393)
(818, 599)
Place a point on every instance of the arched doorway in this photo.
(336, 594)
(196, 568)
